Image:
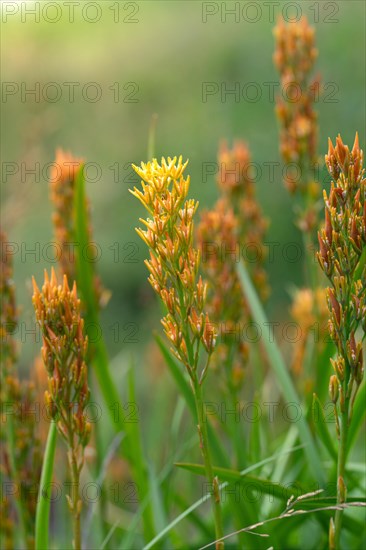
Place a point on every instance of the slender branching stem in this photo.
(205, 449)
(341, 467)
(75, 500)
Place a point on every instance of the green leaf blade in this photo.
(44, 502)
(233, 476)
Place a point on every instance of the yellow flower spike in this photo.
(173, 266)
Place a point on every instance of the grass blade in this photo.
(309, 504)
(265, 486)
(85, 282)
(278, 365)
(44, 502)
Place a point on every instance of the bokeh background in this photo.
(160, 53)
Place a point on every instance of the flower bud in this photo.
(333, 388)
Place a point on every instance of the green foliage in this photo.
(44, 502)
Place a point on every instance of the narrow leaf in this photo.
(267, 487)
(309, 504)
(44, 500)
(85, 282)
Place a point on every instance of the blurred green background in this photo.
(167, 51)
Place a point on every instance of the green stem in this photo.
(76, 502)
(342, 453)
(44, 501)
(202, 429)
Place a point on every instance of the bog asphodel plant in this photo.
(64, 353)
(342, 257)
(174, 265)
(294, 58)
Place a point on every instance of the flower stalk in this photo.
(174, 266)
